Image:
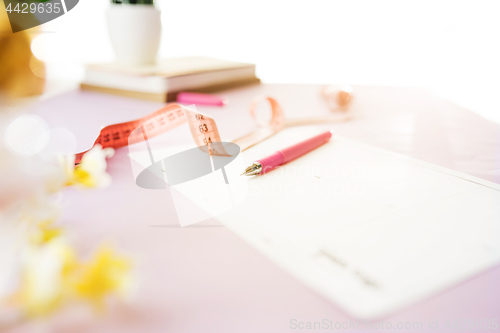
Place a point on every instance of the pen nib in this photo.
(253, 169)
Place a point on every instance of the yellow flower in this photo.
(80, 176)
(44, 286)
(106, 274)
(91, 172)
(45, 232)
(52, 276)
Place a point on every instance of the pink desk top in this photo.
(205, 279)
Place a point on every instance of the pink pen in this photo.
(200, 99)
(285, 155)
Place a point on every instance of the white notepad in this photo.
(370, 230)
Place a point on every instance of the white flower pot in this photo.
(135, 32)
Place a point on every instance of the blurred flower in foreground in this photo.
(50, 274)
(40, 269)
(105, 274)
(91, 172)
(43, 277)
(44, 233)
(53, 276)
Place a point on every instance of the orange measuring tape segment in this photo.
(120, 135)
(266, 130)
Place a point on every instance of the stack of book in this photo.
(162, 81)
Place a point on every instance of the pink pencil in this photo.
(200, 99)
(285, 155)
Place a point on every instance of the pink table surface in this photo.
(205, 279)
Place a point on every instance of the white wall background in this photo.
(450, 47)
